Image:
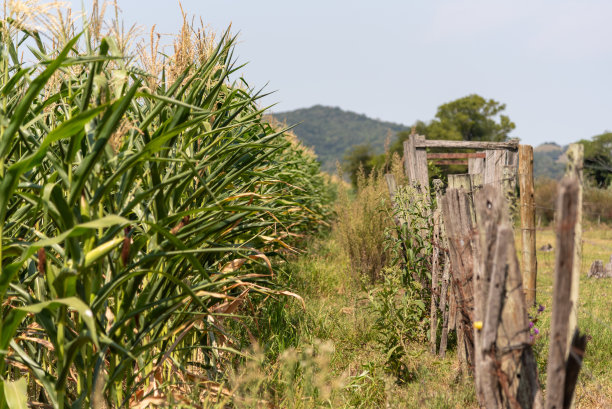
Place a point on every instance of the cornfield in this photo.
(142, 198)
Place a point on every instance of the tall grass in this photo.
(137, 212)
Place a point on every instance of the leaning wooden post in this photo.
(575, 157)
(560, 382)
(529, 265)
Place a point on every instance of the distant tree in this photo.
(360, 156)
(471, 118)
(598, 159)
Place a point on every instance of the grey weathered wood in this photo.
(443, 304)
(512, 158)
(529, 264)
(392, 188)
(415, 165)
(510, 145)
(410, 158)
(505, 367)
(460, 230)
(391, 185)
(475, 166)
(477, 179)
(575, 158)
(494, 167)
(464, 181)
(567, 218)
(572, 368)
(435, 267)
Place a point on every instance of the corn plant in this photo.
(131, 207)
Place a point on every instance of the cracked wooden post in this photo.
(460, 229)
(529, 265)
(575, 157)
(505, 367)
(563, 366)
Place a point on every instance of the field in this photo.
(165, 244)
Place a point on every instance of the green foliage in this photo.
(133, 217)
(361, 223)
(471, 118)
(598, 159)
(359, 160)
(400, 303)
(332, 132)
(400, 319)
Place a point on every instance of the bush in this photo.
(362, 221)
(545, 200)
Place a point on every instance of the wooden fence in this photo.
(479, 289)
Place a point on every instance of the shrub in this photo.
(362, 220)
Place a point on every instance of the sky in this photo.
(549, 61)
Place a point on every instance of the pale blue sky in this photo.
(550, 61)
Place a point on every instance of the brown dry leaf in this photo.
(347, 310)
(42, 342)
(264, 258)
(143, 404)
(233, 265)
(294, 295)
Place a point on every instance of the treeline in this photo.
(471, 118)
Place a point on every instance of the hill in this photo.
(549, 160)
(331, 131)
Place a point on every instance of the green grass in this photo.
(594, 388)
(337, 313)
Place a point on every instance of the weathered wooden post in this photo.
(460, 230)
(529, 264)
(415, 165)
(505, 367)
(564, 357)
(575, 157)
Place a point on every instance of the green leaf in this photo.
(16, 394)
(71, 302)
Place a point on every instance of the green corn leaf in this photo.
(16, 393)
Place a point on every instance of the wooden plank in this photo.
(392, 188)
(567, 219)
(529, 265)
(415, 165)
(512, 159)
(494, 167)
(476, 179)
(451, 162)
(464, 181)
(410, 158)
(455, 155)
(476, 165)
(435, 268)
(443, 301)
(422, 172)
(430, 143)
(460, 230)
